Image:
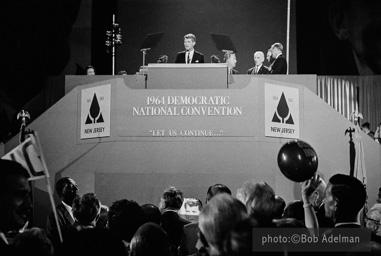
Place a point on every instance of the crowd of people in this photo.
(227, 224)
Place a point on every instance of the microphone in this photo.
(163, 59)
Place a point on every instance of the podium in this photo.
(187, 76)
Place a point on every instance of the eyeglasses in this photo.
(376, 222)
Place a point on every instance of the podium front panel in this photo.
(187, 76)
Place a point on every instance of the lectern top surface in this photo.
(183, 65)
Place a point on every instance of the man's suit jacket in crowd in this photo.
(262, 71)
(197, 57)
(173, 224)
(279, 66)
(64, 220)
(189, 239)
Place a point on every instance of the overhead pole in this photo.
(288, 34)
(113, 38)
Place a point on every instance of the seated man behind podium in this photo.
(231, 60)
(189, 55)
(259, 68)
(90, 70)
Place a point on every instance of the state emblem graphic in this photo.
(95, 112)
(281, 111)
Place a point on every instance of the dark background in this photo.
(318, 50)
(252, 26)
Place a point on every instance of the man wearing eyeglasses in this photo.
(372, 219)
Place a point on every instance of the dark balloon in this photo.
(297, 160)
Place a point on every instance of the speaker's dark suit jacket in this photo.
(262, 71)
(173, 224)
(197, 57)
(64, 220)
(279, 66)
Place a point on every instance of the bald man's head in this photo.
(259, 57)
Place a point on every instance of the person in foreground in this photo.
(217, 223)
(189, 238)
(345, 198)
(15, 202)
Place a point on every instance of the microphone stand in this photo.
(113, 38)
(144, 51)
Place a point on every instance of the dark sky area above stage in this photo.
(317, 46)
(251, 25)
(338, 37)
(35, 43)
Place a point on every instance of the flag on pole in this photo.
(30, 156)
(359, 168)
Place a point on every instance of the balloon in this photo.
(297, 160)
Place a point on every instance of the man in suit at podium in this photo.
(189, 55)
(279, 65)
(259, 68)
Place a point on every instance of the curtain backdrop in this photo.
(348, 93)
(370, 99)
(339, 92)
